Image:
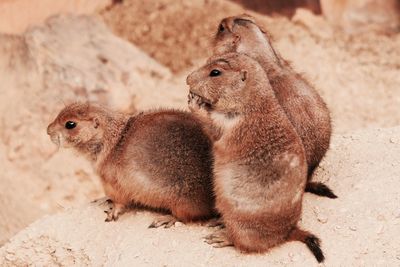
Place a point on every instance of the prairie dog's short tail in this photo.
(312, 242)
(320, 189)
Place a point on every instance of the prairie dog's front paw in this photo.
(196, 105)
(194, 102)
(114, 210)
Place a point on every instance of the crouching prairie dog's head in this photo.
(75, 124)
(241, 34)
(81, 126)
(230, 83)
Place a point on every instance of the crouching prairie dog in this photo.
(160, 159)
(301, 102)
(260, 168)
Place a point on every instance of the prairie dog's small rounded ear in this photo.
(96, 122)
(243, 75)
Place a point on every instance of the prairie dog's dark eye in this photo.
(214, 73)
(221, 28)
(70, 125)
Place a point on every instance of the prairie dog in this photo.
(260, 168)
(160, 159)
(302, 104)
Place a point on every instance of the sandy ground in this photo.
(357, 229)
(143, 65)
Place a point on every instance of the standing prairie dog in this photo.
(160, 159)
(260, 168)
(301, 102)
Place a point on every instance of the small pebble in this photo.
(322, 218)
(381, 217)
(9, 257)
(353, 228)
(10, 251)
(365, 251)
(380, 229)
(355, 138)
(397, 214)
(357, 186)
(295, 258)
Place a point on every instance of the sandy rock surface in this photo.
(18, 15)
(357, 229)
(139, 59)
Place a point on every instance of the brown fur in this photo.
(301, 102)
(160, 159)
(260, 168)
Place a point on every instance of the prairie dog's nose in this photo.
(190, 79)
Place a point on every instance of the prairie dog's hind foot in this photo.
(215, 222)
(165, 220)
(218, 239)
(101, 201)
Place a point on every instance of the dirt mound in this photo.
(282, 7)
(176, 33)
(358, 76)
(355, 16)
(357, 229)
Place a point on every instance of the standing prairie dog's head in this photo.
(230, 83)
(241, 34)
(76, 124)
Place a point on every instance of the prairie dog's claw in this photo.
(166, 220)
(113, 211)
(218, 239)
